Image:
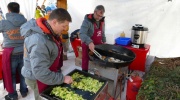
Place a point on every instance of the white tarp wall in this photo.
(160, 16)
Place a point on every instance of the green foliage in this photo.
(161, 83)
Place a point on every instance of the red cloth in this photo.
(0, 65)
(97, 35)
(85, 56)
(58, 63)
(140, 60)
(97, 39)
(6, 68)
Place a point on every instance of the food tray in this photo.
(85, 94)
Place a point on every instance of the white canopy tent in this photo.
(160, 16)
(27, 7)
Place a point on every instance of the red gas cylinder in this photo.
(75, 44)
(133, 85)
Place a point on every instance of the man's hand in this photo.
(91, 46)
(68, 79)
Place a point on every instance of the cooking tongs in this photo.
(104, 58)
(97, 54)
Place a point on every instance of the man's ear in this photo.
(54, 21)
(9, 11)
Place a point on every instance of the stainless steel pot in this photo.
(139, 34)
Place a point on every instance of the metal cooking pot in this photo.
(139, 34)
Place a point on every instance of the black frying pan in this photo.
(115, 51)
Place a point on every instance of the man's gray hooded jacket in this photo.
(10, 29)
(40, 51)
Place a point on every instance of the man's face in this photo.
(98, 15)
(60, 26)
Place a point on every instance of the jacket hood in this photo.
(91, 18)
(16, 19)
(29, 28)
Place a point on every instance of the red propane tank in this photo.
(133, 85)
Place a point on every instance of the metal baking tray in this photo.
(85, 94)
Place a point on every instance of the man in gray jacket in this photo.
(12, 58)
(92, 33)
(43, 51)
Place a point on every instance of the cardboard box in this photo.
(79, 52)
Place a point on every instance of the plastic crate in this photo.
(122, 41)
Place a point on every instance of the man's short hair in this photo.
(60, 14)
(13, 7)
(100, 7)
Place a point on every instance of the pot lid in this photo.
(139, 27)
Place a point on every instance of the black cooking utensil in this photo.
(104, 58)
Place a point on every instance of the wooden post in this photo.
(62, 4)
